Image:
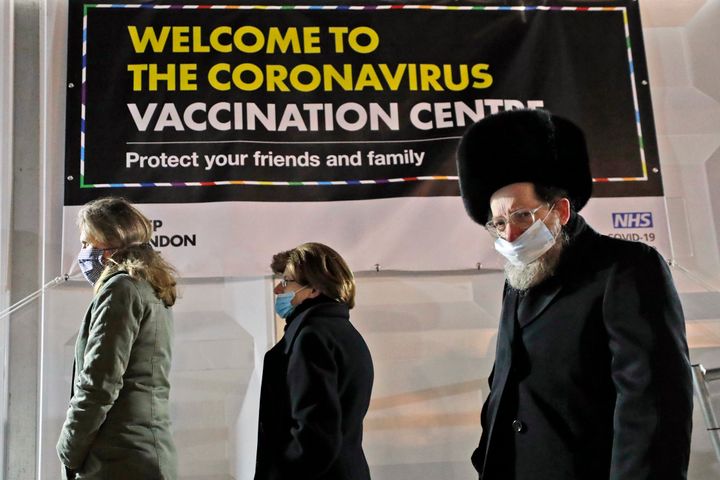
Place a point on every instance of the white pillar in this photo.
(25, 247)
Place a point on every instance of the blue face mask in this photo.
(283, 303)
(91, 263)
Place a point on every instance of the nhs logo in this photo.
(632, 220)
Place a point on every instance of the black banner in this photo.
(302, 103)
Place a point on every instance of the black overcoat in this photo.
(315, 392)
(592, 377)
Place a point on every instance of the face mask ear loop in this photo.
(109, 258)
(555, 235)
(106, 261)
(549, 212)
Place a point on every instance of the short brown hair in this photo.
(320, 267)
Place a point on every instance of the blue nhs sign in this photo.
(632, 220)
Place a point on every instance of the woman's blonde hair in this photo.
(320, 267)
(115, 223)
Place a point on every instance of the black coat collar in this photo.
(329, 309)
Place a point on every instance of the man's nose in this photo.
(512, 232)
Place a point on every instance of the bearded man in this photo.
(591, 377)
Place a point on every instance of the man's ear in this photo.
(563, 209)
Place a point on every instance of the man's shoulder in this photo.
(600, 258)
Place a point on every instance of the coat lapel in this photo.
(292, 330)
(503, 357)
(506, 335)
(507, 316)
(534, 302)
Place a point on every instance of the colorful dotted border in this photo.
(338, 7)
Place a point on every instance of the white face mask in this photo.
(529, 246)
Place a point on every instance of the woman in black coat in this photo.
(317, 380)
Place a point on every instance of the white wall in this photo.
(681, 40)
(433, 339)
(6, 105)
(431, 335)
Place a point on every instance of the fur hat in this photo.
(522, 146)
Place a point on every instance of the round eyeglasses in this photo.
(521, 218)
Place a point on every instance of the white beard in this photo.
(523, 277)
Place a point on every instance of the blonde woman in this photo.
(317, 380)
(118, 423)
